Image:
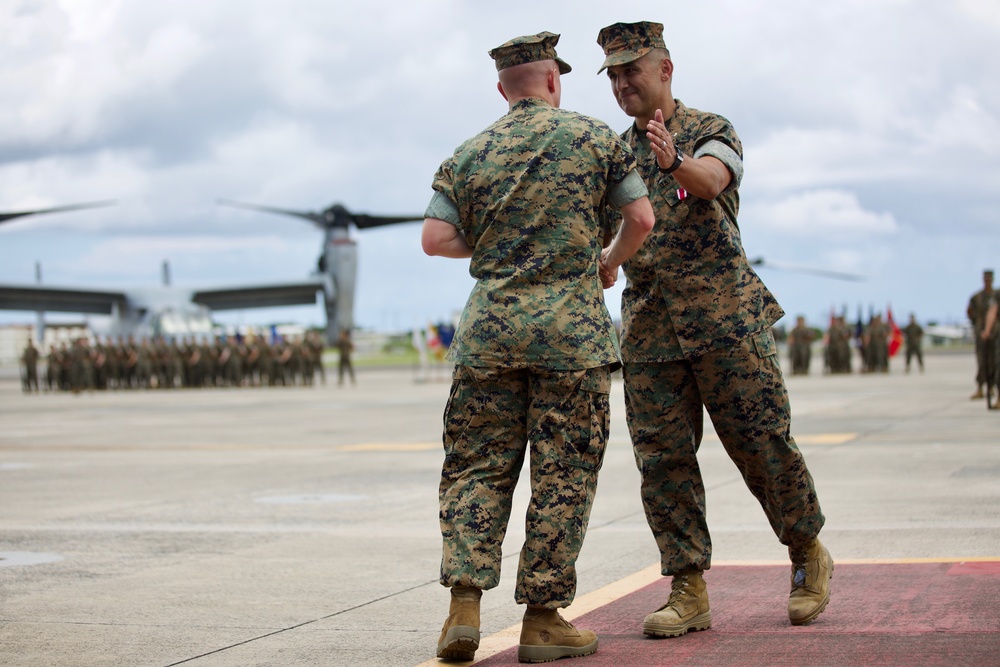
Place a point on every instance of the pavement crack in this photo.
(301, 625)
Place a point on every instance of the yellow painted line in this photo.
(390, 447)
(509, 637)
(814, 439)
(825, 438)
(865, 561)
(911, 561)
(162, 447)
(226, 447)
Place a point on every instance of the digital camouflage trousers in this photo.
(491, 417)
(744, 393)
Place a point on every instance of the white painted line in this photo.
(19, 558)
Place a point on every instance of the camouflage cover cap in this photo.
(625, 42)
(529, 49)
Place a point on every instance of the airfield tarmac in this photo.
(298, 526)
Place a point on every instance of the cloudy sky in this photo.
(871, 131)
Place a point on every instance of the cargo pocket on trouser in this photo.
(568, 417)
(458, 409)
(587, 429)
(763, 343)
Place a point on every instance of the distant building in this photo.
(14, 338)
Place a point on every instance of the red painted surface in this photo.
(894, 614)
(988, 567)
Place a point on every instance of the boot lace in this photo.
(678, 592)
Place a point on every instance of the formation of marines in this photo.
(122, 364)
(872, 342)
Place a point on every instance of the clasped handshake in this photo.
(609, 275)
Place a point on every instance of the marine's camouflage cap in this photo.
(625, 42)
(529, 49)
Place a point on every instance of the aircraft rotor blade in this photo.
(315, 218)
(4, 217)
(367, 221)
(826, 273)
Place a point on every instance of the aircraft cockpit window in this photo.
(174, 323)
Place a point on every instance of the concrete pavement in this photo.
(297, 526)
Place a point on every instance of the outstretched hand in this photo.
(661, 141)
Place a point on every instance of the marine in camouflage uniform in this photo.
(29, 358)
(81, 374)
(697, 332)
(535, 344)
(145, 365)
(53, 368)
(345, 347)
(800, 340)
(317, 345)
(839, 346)
(978, 306)
(913, 335)
(877, 345)
(990, 339)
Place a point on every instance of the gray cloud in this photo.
(870, 127)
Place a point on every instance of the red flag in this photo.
(896, 337)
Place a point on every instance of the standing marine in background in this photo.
(913, 335)
(54, 379)
(877, 345)
(29, 361)
(978, 306)
(838, 346)
(800, 340)
(346, 348)
(990, 338)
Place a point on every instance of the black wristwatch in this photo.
(678, 160)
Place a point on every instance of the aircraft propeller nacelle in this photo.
(340, 257)
(338, 263)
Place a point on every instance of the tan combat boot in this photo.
(545, 636)
(460, 634)
(812, 568)
(686, 609)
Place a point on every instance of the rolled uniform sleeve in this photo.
(443, 208)
(628, 190)
(727, 156)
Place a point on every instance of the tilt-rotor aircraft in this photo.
(338, 261)
(174, 312)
